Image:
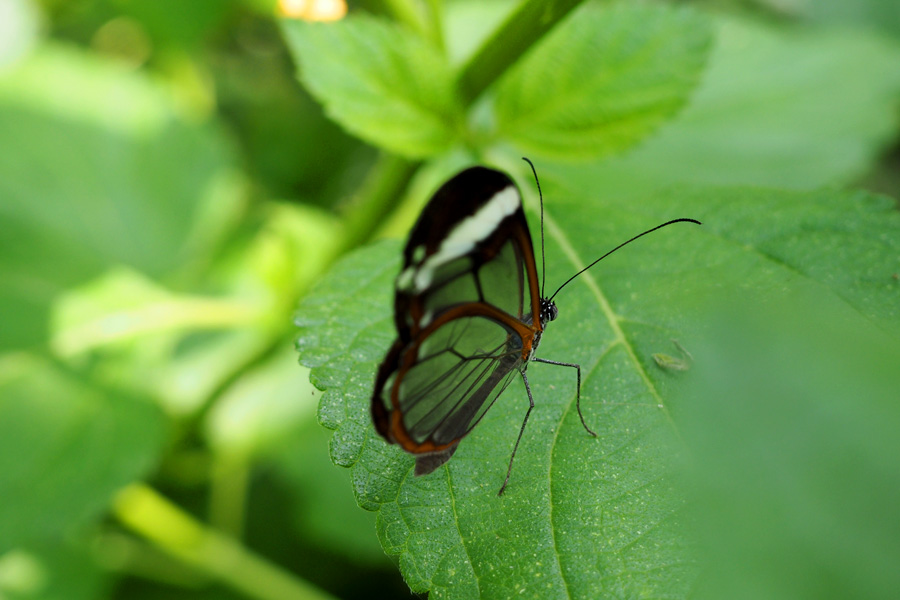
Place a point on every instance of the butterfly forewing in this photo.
(498, 280)
(465, 314)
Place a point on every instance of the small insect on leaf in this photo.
(670, 363)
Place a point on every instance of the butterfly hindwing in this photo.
(466, 312)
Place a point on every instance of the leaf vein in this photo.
(462, 541)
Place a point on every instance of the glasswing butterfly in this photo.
(469, 316)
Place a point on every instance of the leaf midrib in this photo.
(562, 573)
(568, 249)
(462, 541)
(614, 321)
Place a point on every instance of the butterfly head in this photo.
(548, 310)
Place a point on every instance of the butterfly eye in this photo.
(549, 312)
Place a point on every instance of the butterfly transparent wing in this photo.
(499, 282)
(456, 374)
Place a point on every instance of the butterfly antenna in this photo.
(569, 280)
(541, 196)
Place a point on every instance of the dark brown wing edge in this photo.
(425, 463)
(380, 414)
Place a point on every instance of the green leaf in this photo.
(587, 517)
(65, 448)
(603, 80)
(380, 82)
(95, 171)
(777, 107)
(842, 244)
(793, 423)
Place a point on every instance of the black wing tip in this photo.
(428, 463)
(481, 176)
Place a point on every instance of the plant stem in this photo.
(436, 23)
(521, 30)
(378, 196)
(408, 13)
(229, 481)
(147, 513)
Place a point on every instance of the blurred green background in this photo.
(170, 191)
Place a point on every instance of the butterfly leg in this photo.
(577, 388)
(521, 431)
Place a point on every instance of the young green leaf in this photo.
(65, 448)
(785, 108)
(379, 81)
(583, 516)
(602, 80)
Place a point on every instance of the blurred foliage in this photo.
(794, 433)
(176, 176)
